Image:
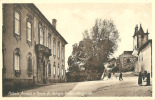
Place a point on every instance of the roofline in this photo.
(140, 34)
(144, 45)
(50, 25)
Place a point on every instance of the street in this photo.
(100, 88)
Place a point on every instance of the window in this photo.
(41, 34)
(62, 70)
(58, 70)
(58, 50)
(29, 64)
(29, 31)
(49, 69)
(16, 61)
(54, 47)
(54, 69)
(49, 41)
(128, 60)
(17, 23)
(62, 53)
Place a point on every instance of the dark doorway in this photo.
(44, 73)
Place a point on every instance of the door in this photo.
(44, 73)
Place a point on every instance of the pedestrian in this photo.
(148, 79)
(109, 75)
(120, 76)
(144, 75)
(140, 79)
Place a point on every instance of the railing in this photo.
(43, 49)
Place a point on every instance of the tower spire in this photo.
(141, 29)
(147, 31)
(136, 29)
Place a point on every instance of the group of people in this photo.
(143, 77)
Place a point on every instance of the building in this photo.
(33, 49)
(139, 39)
(127, 61)
(142, 48)
(112, 63)
(145, 57)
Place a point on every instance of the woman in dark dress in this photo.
(140, 78)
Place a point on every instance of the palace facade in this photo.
(33, 49)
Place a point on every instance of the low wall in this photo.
(15, 85)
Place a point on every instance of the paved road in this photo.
(102, 88)
(112, 87)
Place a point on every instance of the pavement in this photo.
(111, 88)
(101, 88)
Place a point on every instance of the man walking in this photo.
(120, 76)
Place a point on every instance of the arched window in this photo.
(29, 64)
(16, 61)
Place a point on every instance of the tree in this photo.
(96, 47)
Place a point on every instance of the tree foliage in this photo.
(97, 46)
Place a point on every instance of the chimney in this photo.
(54, 21)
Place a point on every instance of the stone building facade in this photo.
(127, 61)
(33, 50)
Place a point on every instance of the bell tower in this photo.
(135, 41)
(139, 39)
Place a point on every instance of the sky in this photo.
(74, 18)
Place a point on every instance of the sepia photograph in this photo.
(77, 49)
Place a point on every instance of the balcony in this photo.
(45, 50)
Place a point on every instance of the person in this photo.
(144, 75)
(140, 78)
(148, 79)
(120, 76)
(109, 75)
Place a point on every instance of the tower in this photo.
(139, 38)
